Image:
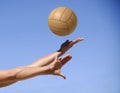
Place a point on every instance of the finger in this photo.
(65, 59)
(76, 41)
(66, 43)
(60, 59)
(58, 64)
(62, 75)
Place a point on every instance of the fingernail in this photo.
(59, 58)
(81, 39)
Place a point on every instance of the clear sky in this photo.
(25, 37)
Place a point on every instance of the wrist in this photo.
(59, 53)
(49, 69)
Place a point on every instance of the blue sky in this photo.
(25, 37)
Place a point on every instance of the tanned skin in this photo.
(47, 65)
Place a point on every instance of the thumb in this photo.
(62, 75)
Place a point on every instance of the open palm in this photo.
(58, 64)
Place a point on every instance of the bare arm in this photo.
(12, 76)
(30, 72)
(63, 49)
(22, 73)
(42, 66)
(7, 83)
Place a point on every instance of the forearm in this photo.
(11, 76)
(45, 60)
(7, 83)
(30, 72)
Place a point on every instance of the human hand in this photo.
(58, 64)
(68, 44)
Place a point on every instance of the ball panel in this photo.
(66, 15)
(59, 31)
(51, 15)
(72, 23)
(57, 24)
(58, 27)
(59, 13)
(74, 19)
(71, 27)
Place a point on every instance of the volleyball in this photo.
(62, 21)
